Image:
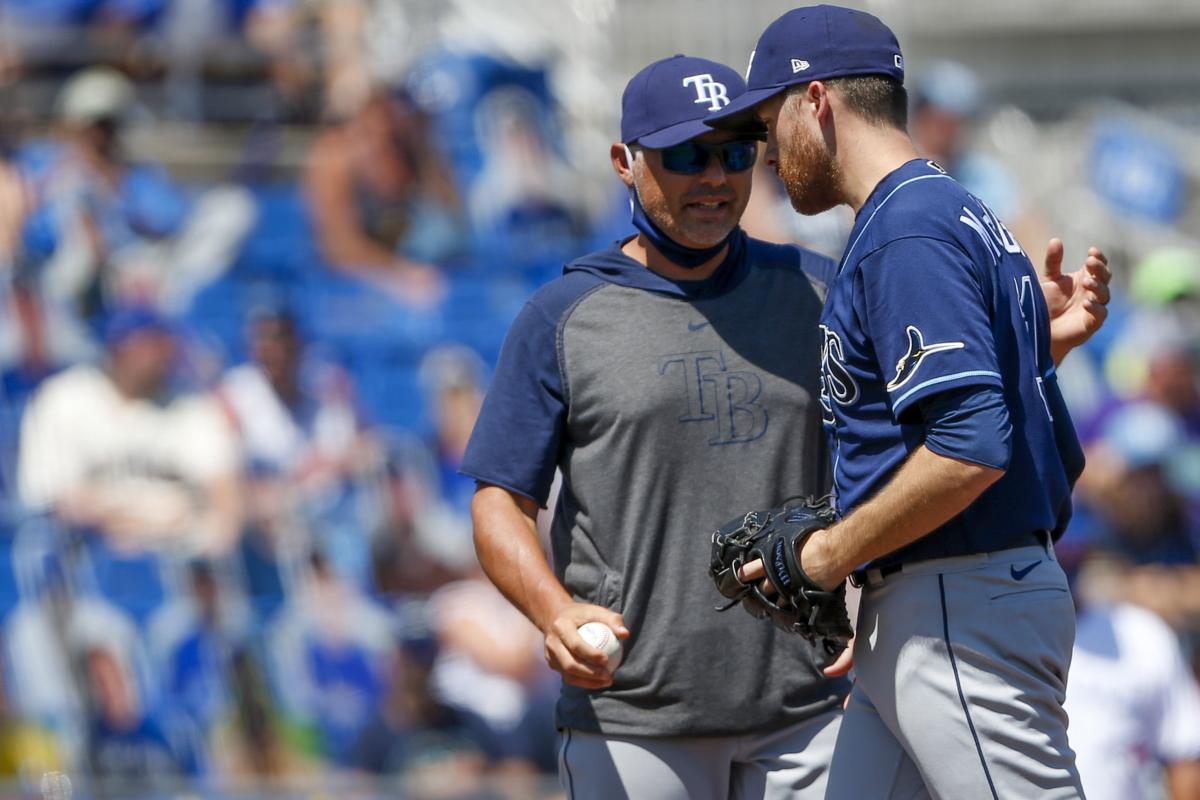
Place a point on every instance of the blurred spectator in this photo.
(31, 345)
(1156, 360)
(1135, 512)
(1133, 703)
(34, 31)
(413, 731)
(252, 744)
(403, 566)
(322, 58)
(524, 197)
(349, 28)
(423, 538)
(235, 39)
(109, 229)
(27, 749)
(491, 666)
(12, 215)
(304, 450)
(186, 41)
(383, 202)
(1171, 382)
(452, 379)
(128, 749)
(947, 101)
(329, 652)
(1129, 506)
(50, 35)
(46, 635)
(112, 449)
(25, 357)
(29, 360)
(1157, 353)
(192, 643)
(38, 650)
(294, 417)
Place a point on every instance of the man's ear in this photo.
(622, 161)
(817, 99)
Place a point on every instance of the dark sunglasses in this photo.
(691, 158)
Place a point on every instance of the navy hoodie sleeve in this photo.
(517, 440)
(515, 443)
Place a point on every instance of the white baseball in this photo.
(601, 637)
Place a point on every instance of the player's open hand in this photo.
(567, 653)
(1077, 301)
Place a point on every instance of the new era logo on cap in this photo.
(837, 42)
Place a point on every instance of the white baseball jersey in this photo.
(1131, 699)
(79, 427)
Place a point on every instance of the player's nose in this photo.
(714, 172)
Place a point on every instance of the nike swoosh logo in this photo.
(695, 326)
(1019, 574)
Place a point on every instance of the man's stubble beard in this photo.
(659, 212)
(810, 174)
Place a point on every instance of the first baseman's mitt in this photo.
(799, 605)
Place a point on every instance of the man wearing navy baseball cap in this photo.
(647, 376)
(672, 379)
(954, 453)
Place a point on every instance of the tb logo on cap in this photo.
(708, 91)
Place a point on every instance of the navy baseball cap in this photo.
(667, 102)
(130, 320)
(809, 44)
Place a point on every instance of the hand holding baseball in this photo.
(567, 651)
(601, 637)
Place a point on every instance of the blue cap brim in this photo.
(675, 134)
(684, 131)
(738, 113)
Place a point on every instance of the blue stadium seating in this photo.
(136, 583)
(9, 593)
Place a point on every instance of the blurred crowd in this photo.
(235, 549)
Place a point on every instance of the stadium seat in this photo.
(136, 583)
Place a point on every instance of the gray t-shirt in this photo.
(670, 407)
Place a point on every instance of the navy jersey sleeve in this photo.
(928, 316)
(517, 438)
(970, 424)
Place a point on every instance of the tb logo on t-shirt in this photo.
(730, 401)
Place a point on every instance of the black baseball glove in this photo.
(799, 605)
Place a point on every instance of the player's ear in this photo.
(622, 161)
(816, 100)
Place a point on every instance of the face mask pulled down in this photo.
(686, 257)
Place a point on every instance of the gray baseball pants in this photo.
(961, 674)
(789, 763)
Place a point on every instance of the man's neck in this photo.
(642, 251)
(128, 391)
(128, 388)
(868, 156)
